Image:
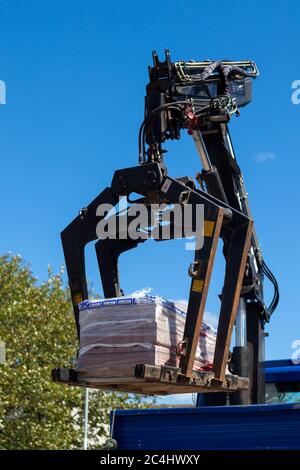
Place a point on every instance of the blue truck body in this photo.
(270, 426)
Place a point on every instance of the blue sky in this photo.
(75, 74)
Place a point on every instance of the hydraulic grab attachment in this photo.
(200, 97)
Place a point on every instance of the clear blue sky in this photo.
(76, 73)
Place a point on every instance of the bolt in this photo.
(83, 212)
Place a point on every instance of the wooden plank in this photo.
(109, 380)
(107, 372)
(150, 385)
(149, 388)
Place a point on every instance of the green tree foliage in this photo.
(37, 326)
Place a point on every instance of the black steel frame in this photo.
(226, 209)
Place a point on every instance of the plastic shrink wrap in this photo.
(138, 329)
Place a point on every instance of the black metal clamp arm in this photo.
(75, 236)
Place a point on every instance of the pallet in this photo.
(149, 380)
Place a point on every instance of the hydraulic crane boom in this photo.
(200, 97)
(216, 91)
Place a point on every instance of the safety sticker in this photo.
(165, 187)
(209, 226)
(77, 298)
(197, 285)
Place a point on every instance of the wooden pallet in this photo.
(149, 380)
